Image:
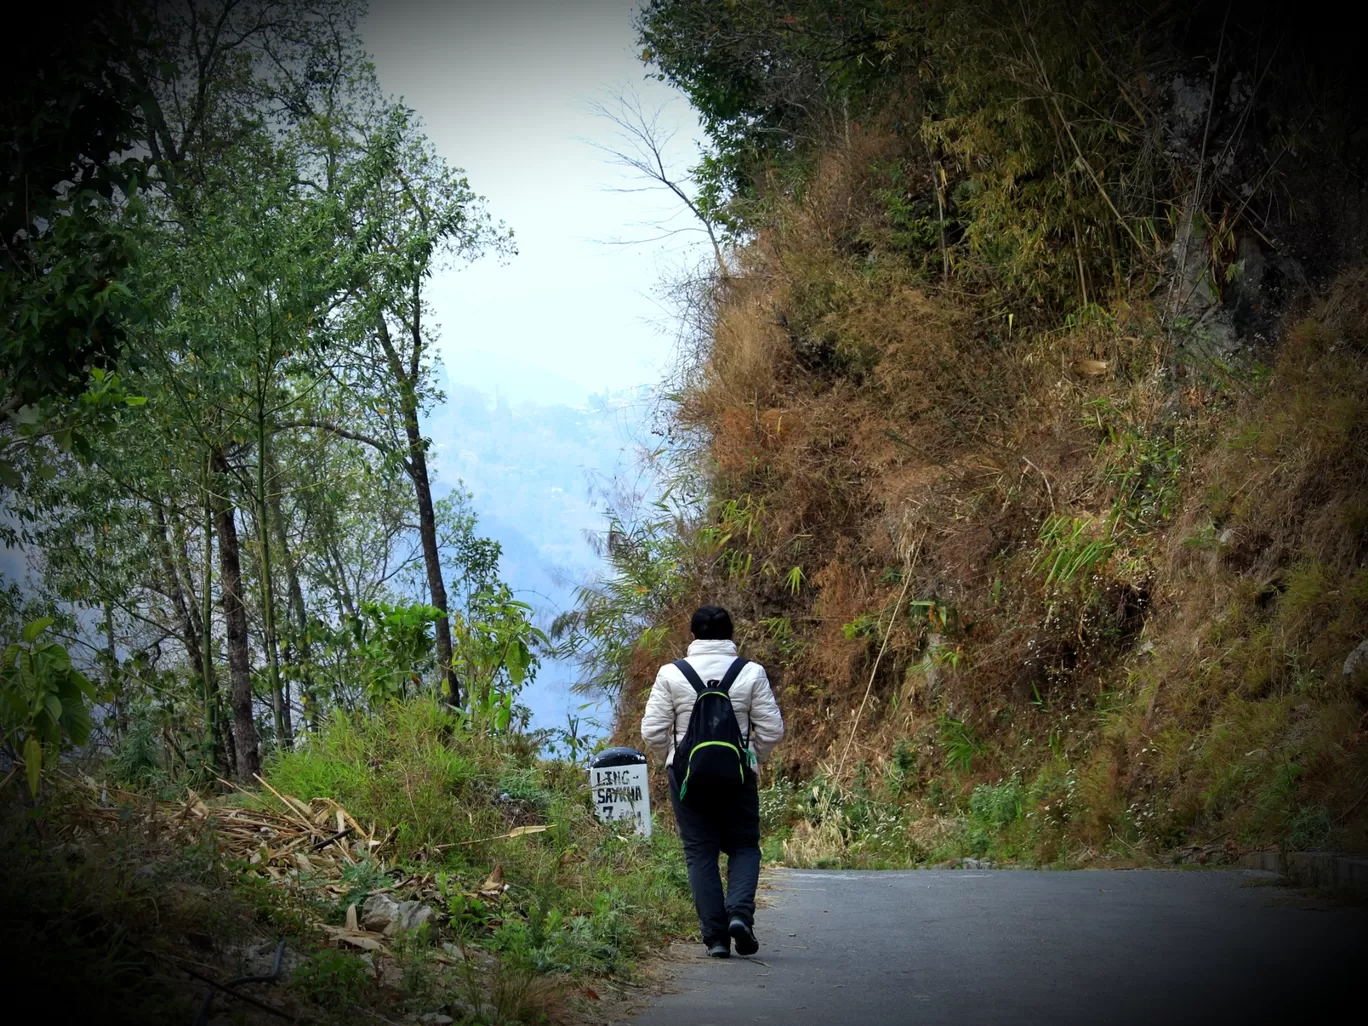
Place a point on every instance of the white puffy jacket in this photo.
(672, 701)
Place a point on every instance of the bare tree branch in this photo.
(643, 153)
(340, 432)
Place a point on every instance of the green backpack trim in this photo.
(740, 763)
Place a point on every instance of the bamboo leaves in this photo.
(1072, 551)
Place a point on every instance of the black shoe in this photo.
(719, 951)
(744, 936)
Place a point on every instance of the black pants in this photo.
(733, 828)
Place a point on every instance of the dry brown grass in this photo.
(859, 409)
(1244, 706)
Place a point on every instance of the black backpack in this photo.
(712, 755)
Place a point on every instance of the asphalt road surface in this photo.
(979, 948)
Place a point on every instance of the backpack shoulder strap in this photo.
(691, 675)
(733, 671)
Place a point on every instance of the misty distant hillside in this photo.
(532, 469)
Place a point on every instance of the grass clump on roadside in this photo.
(579, 899)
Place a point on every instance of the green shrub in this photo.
(780, 805)
(997, 805)
(1309, 827)
(359, 879)
(137, 759)
(524, 786)
(333, 979)
(993, 810)
(307, 774)
(405, 766)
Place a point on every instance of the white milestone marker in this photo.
(621, 789)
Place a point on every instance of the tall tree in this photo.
(408, 212)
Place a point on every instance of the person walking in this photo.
(713, 717)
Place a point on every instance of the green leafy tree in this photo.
(497, 649)
(395, 646)
(251, 485)
(69, 208)
(70, 116)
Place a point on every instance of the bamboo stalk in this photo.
(907, 581)
(305, 823)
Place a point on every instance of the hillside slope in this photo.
(1043, 495)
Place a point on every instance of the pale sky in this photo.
(505, 91)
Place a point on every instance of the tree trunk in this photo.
(280, 709)
(298, 651)
(175, 590)
(235, 618)
(346, 604)
(116, 684)
(196, 623)
(215, 727)
(427, 532)
(407, 380)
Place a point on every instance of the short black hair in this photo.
(711, 623)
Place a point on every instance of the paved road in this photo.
(979, 948)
